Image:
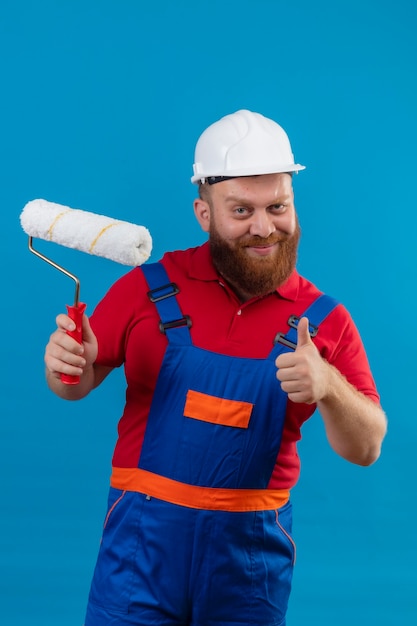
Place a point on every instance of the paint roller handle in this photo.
(76, 313)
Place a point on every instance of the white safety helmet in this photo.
(242, 144)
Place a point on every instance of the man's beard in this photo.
(254, 276)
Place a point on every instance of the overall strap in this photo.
(316, 314)
(162, 293)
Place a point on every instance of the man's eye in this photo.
(241, 210)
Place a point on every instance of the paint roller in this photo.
(119, 241)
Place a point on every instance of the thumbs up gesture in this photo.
(303, 374)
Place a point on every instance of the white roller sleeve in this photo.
(125, 243)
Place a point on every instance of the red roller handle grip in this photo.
(76, 314)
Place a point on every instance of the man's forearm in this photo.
(355, 425)
(72, 392)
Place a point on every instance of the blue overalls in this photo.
(196, 540)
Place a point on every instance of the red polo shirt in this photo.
(126, 325)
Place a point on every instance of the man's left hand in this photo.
(303, 374)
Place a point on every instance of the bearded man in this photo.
(227, 351)
(253, 229)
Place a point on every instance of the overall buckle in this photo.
(172, 291)
(293, 322)
(183, 321)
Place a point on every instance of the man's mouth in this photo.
(262, 249)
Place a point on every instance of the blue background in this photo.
(101, 104)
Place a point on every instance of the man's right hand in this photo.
(64, 355)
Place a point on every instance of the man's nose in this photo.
(262, 224)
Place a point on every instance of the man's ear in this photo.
(202, 213)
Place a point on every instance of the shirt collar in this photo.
(202, 268)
